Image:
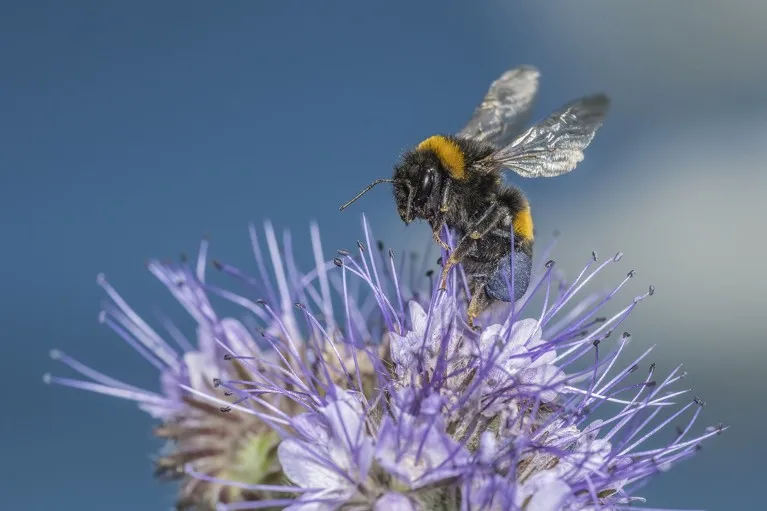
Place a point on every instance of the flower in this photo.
(395, 403)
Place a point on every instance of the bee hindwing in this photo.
(555, 145)
(506, 108)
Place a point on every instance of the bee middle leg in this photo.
(485, 224)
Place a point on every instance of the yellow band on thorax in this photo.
(449, 154)
(523, 224)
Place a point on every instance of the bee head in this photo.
(417, 184)
(417, 180)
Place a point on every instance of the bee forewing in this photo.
(506, 108)
(555, 145)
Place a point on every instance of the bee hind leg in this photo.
(479, 302)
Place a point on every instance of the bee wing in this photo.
(555, 145)
(506, 108)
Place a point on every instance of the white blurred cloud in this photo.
(694, 226)
(658, 54)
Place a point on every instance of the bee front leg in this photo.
(485, 224)
(436, 235)
(436, 231)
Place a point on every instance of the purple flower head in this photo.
(389, 401)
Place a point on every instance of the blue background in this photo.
(130, 129)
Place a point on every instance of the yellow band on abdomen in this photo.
(523, 224)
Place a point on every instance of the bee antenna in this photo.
(366, 190)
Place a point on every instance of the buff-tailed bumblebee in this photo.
(456, 181)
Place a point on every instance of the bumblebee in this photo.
(456, 181)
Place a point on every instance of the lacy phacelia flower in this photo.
(395, 403)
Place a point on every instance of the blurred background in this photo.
(130, 129)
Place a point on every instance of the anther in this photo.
(343, 252)
(550, 263)
(679, 431)
(596, 342)
(391, 253)
(617, 257)
(360, 245)
(261, 301)
(217, 264)
(439, 261)
(225, 409)
(300, 306)
(380, 245)
(625, 336)
(216, 382)
(594, 255)
(228, 393)
(652, 367)
(631, 274)
(227, 356)
(600, 319)
(633, 368)
(650, 384)
(338, 262)
(698, 401)
(652, 290)
(429, 273)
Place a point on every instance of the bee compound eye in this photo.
(427, 183)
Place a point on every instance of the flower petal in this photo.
(200, 371)
(394, 502)
(418, 317)
(525, 332)
(550, 496)
(345, 418)
(308, 467)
